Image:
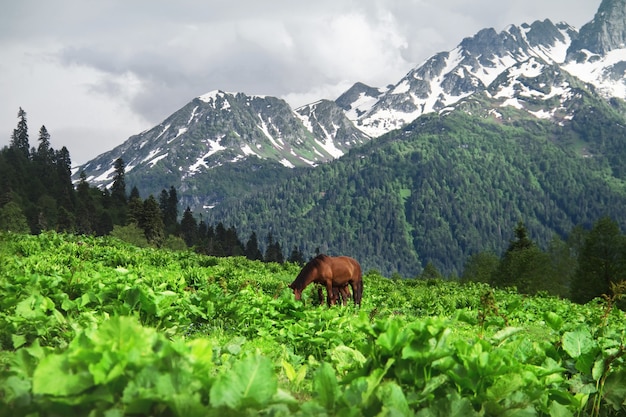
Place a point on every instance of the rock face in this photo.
(606, 32)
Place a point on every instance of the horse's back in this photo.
(345, 268)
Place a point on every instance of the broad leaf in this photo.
(250, 383)
(578, 342)
(54, 376)
(615, 389)
(325, 386)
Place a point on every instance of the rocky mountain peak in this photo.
(606, 32)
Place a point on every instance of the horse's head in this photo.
(296, 291)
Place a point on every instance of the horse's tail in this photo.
(358, 290)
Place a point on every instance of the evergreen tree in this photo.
(19, 138)
(152, 223)
(172, 206)
(189, 227)
(232, 244)
(117, 201)
(480, 267)
(252, 251)
(134, 193)
(64, 188)
(168, 202)
(118, 189)
(524, 265)
(135, 210)
(430, 272)
(45, 154)
(12, 219)
(202, 231)
(521, 241)
(273, 252)
(86, 212)
(600, 263)
(296, 256)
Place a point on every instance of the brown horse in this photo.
(332, 272)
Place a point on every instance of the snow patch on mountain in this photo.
(214, 147)
(607, 73)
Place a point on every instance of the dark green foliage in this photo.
(296, 256)
(480, 267)
(36, 194)
(168, 202)
(273, 253)
(252, 251)
(19, 138)
(152, 222)
(117, 199)
(12, 219)
(444, 188)
(602, 261)
(189, 228)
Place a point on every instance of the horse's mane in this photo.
(300, 280)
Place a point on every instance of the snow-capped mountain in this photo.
(219, 128)
(539, 67)
(472, 66)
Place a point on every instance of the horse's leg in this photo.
(320, 295)
(345, 294)
(330, 293)
(358, 294)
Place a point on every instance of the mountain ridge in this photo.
(374, 157)
(316, 133)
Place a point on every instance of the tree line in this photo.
(37, 194)
(588, 264)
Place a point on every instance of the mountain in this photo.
(524, 124)
(598, 55)
(218, 131)
(605, 33)
(538, 145)
(472, 66)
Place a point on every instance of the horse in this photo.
(332, 272)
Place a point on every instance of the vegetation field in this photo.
(97, 327)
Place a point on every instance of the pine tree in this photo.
(115, 198)
(64, 188)
(202, 231)
(12, 219)
(232, 244)
(152, 223)
(273, 252)
(168, 202)
(45, 154)
(189, 228)
(601, 262)
(19, 138)
(86, 212)
(135, 212)
(296, 256)
(524, 265)
(118, 189)
(252, 251)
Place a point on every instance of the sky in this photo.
(97, 72)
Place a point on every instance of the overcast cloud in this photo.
(96, 72)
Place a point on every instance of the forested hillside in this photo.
(448, 186)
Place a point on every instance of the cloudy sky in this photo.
(96, 72)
